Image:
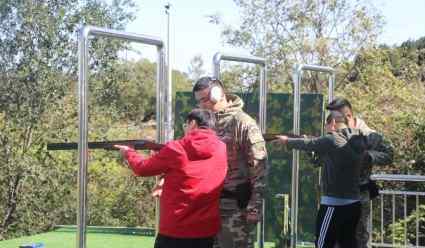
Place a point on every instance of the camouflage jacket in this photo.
(246, 150)
(380, 150)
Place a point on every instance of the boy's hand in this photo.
(123, 149)
(282, 139)
(157, 190)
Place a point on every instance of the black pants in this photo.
(169, 242)
(337, 223)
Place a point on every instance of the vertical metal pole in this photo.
(370, 224)
(160, 70)
(263, 99)
(331, 85)
(216, 68)
(159, 95)
(263, 127)
(405, 219)
(168, 108)
(297, 75)
(417, 220)
(83, 131)
(393, 198)
(286, 219)
(382, 218)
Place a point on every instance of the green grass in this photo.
(94, 240)
(67, 239)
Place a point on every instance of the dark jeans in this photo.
(170, 242)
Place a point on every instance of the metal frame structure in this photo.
(218, 57)
(380, 241)
(298, 70)
(162, 86)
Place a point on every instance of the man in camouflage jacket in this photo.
(380, 153)
(247, 156)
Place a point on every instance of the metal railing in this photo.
(404, 228)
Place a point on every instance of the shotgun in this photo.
(273, 136)
(108, 145)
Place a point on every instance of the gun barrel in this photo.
(273, 136)
(108, 145)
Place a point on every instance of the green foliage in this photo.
(310, 32)
(397, 230)
(38, 105)
(37, 67)
(388, 103)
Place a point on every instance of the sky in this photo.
(192, 35)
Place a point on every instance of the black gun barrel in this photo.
(273, 136)
(108, 145)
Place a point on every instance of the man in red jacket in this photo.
(194, 168)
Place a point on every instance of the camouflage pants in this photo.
(235, 231)
(363, 227)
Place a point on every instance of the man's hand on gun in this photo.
(157, 190)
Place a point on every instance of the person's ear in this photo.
(193, 124)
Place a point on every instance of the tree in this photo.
(307, 31)
(38, 67)
(388, 100)
(196, 69)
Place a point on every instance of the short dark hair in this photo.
(204, 118)
(206, 82)
(337, 116)
(339, 103)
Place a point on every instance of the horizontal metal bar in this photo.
(394, 177)
(238, 58)
(398, 192)
(395, 246)
(149, 40)
(318, 68)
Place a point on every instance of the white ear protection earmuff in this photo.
(216, 93)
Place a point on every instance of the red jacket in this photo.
(194, 167)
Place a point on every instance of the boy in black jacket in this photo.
(342, 151)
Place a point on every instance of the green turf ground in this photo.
(59, 239)
(94, 240)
